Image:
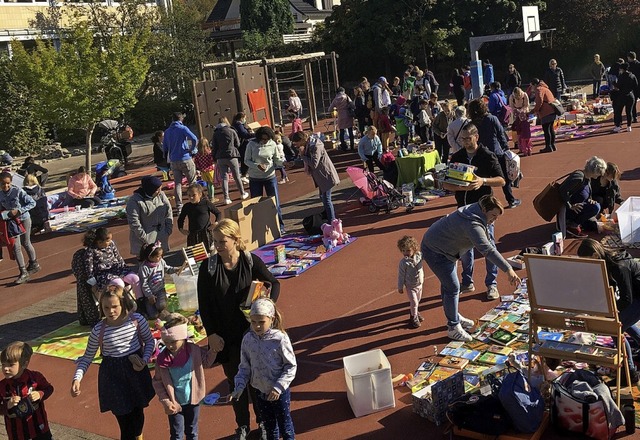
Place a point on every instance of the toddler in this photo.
(386, 129)
(204, 163)
(179, 379)
(22, 395)
(411, 277)
(523, 128)
(282, 157)
(403, 128)
(268, 363)
(198, 210)
(151, 273)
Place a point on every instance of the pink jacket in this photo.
(81, 186)
(163, 384)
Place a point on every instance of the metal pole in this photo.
(265, 69)
(475, 43)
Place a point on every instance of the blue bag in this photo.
(523, 403)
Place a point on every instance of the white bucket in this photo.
(187, 291)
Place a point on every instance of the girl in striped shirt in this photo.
(124, 381)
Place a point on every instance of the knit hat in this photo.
(150, 185)
(263, 307)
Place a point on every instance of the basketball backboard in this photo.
(531, 23)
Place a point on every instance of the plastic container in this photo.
(629, 220)
(187, 291)
(369, 385)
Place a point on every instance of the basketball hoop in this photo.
(546, 38)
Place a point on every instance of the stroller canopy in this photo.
(108, 124)
(359, 179)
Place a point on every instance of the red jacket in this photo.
(543, 98)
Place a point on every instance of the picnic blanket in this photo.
(311, 252)
(84, 219)
(70, 341)
(566, 131)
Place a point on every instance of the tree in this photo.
(96, 73)
(266, 16)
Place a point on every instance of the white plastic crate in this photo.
(369, 387)
(629, 220)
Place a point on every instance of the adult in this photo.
(342, 103)
(519, 102)
(40, 213)
(627, 85)
(554, 78)
(175, 145)
(634, 67)
(497, 100)
(318, 164)
(408, 84)
(362, 112)
(455, 128)
(149, 215)
(18, 204)
(489, 174)
(440, 126)
(487, 73)
(370, 147)
(468, 86)
(545, 113)
(262, 158)
(86, 302)
(457, 85)
(597, 71)
(606, 189)
(452, 236)
(492, 135)
(433, 83)
(81, 189)
(224, 280)
(29, 166)
(381, 98)
(576, 194)
(239, 124)
(159, 156)
(422, 81)
(295, 105)
(226, 153)
(512, 80)
(624, 276)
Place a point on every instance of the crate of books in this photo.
(431, 401)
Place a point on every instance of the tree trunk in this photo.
(87, 159)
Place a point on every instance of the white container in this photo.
(369, 387)
(629, 220)
(187, 291)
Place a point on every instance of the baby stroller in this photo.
(378, 193)
(104, 170)
(115, 142)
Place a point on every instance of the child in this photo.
(402, 128)
(124, 381)
(198, 210)
(268, 363)
(151, 273)
(424, 121)
(22, 395)
(296, 124)
(204, 163)
(411, 276)
(179, 380)
(523, 128)
(282, 157)
(606, 189)
(386, 129)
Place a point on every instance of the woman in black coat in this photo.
(457, 86)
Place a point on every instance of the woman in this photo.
(452, 236)
(597, 72)
(295, 105)
(262, 158)
(362, 112)
(545, 113)
(455, 128)
(81, 189)
(576, 194)
(554, 78)
(18, 203)
(31, 167)
(318, 164)
(624, 276)
(159, 156)
(40, 213)
(606, 189)
(226, 153)
(370, 147)
(86, 302)
(457, 85)
(149, 215)
(245, 134)
(512, 80)
(223, 283)
(519, 102)
(345, 121)
(440, 125)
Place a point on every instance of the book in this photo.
(502, 336)
(474, 369)
(427, 366)
(453, 362)
(450, 347)
(279, 253)
(277, 270)
(442, 373)
(509, 326)
(550, 336)
(257, 290)
(418, 381)
(492, 358)
(499, 349)
(471, 383)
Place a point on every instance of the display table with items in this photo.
(415, 165)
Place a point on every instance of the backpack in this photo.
(523, 403)
(505, 112)
(312, 224)
(512, 161)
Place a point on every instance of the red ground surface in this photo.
(345, 305)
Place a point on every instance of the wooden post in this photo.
(334, 66)
(308, 78)
(197, 107)
(265, 68)
(276, 92)
(236, 86)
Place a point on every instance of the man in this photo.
(497, 100)
(488, 174)
(487, 73)
(634, 67)
(176, 146)
(627, 84)
(381, 97)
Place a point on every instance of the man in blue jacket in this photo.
(178, 151)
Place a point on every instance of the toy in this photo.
(329, 236)
(343, 237)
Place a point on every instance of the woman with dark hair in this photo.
(362, 112)
(624, 276)
(262, 158)
(31, 167)
(457, 85)
(244, 134)
(545, 113)
(226, 152)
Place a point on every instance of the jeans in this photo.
(187, 418)
(182, 168)
(276, 416)
(445, 270)
(270, 187)
(328, 205)
(24, 240)
(506, 188)
(224, 165)
(343, 131)
(589, 210)
(468, 263)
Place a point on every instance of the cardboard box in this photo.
(547, 248)
(517, 262)
(258, 221)
(254, 125)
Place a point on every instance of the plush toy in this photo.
(343, 237)
(329, 236)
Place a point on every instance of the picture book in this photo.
(257, 290)
(504, 305)
(491, 315)
(507, 298)
(427, 366)
(279, 253)
(453, 362)
(474, 369)
(448, 349)
(476, 345)
(524, 328)
(509, 326)
(471, 383)
(442, 373)
(492, 358)
(509, 317)
(499, 349)
(502, 336)
(418, 382)
(277, 270)
(550, 336)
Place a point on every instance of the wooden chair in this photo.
(193, 255)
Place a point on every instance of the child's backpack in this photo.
(523, 403)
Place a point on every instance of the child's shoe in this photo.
(420, 318)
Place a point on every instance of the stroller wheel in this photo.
(393, 205)
(373, 208)
(410, 207)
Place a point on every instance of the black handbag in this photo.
(312, 224)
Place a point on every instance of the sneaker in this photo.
(33, 267)
(617, 129)
(23, 278)
(420, 318)
(244, 180)
(515, 203)
(245, 196)
(457, 333)
(467, 288)
(227, 201)
(492, 292)
(466, 323)
(242, 433)
(414, 322)
(576, 232)
(282, 181)
(628, 128)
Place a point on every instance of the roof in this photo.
(308, 10)
(221, 11)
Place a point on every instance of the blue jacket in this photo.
(495, 98)
(487, 74)
(17, 198)
(368, 146)
(176, 142)
(492, 135)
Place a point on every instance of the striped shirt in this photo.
(119, 341)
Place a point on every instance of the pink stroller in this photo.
(378, 193)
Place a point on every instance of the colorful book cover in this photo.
(550, 336)
(509, 326)
(450, 347)
(471, 383)
(279, 253)
(477, 345)
(504, 305)
(499, 349)
(491, 315)
(453, 362)
(474, 369)
(442, 373)
(492, 358)
(502, 336)
(418, 382)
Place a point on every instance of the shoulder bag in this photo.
(549, 201)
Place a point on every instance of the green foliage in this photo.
(21, 131)
(151, 114)
(266, 16)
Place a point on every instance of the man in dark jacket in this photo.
(554, 78)
(226, 153)
(627, 84)
(634, 67)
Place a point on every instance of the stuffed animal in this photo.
(343, 237)
(329, 236)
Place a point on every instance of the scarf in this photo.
(168, 360)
